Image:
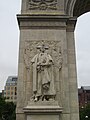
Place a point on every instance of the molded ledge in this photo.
(43, 107)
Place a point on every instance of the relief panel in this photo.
(42, 5)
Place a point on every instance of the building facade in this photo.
(84, 96)
(10, 90)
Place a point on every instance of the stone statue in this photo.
(43, 79)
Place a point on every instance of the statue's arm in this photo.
(34, 59)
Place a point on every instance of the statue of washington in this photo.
(43, 79)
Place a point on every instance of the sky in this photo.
(82, 41)
(9, 43)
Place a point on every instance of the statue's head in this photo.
(42, 48)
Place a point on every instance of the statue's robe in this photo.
(43, 73)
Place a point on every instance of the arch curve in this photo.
(69, 7)
(81, 7)
(77, 7)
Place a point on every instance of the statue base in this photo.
(42, 110)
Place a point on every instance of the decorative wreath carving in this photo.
(42, 4)
(54, 50)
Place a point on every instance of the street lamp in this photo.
(86, 117)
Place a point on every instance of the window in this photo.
(7, 84)
(8, 88)
(15, 97)
(88, 91)
(88, 98)
(7, 97)
(14, 79)
(11, 88)
(15, 90)
(11, 97)
(8, 93)
(11, 93)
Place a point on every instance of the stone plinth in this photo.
(42, 110)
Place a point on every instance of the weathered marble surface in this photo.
(43, 75)
(56, 30)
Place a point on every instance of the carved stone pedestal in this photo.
(47, 110)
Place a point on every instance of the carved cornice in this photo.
(43, 107)
(27, 21)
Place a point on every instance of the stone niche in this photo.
(43, 104)
(41, 75)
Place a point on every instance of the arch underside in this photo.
(81, 7)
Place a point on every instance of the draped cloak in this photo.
(43, 73)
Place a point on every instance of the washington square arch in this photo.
(47, 80)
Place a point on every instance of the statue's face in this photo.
(42, 50)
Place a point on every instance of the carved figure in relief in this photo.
(43, 79)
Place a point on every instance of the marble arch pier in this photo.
(47, 79)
